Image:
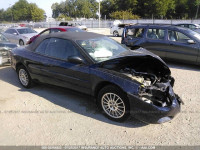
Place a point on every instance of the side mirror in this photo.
(191, 42)
(76, 60)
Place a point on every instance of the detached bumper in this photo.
(150, 113)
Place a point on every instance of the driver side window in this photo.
(177, 36)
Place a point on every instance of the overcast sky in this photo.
(44, 4)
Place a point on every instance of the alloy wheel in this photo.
(113, 105)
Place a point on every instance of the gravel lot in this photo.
(45, 115)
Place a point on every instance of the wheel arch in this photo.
(19, 64)
(101, 85)
(21, 40)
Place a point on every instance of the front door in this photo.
(54, 68)
(181, 47)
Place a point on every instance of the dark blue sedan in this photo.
(122, 81)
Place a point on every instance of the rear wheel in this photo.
(114, 103)
(115, 33)
(24, 77)
(21, 42)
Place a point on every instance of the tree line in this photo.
(22, 11)
(75, 9)
(127, 9)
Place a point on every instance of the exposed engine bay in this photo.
(153, 90)
(153, 76)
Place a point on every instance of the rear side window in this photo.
(156, 34)
(135, 32)
(42, 47)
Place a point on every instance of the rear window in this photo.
(74, 30)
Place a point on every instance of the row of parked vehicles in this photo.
(123, 80)
(19, 36)
(176, 42)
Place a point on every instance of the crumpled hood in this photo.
(140, 60)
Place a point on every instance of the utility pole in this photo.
(99, 13)
(198, 3)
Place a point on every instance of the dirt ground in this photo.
(45, 115)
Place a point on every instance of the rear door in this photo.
(180, 49)
(156, 41)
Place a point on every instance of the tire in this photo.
(115, 34)
(24, 77)
(21, 42)
(114, 103)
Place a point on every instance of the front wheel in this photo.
(114, 103)
(24, 77)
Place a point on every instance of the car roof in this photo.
(65, 35)
(18, 28)
(168, 26)
(187, 23)
(63, 27)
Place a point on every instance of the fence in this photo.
(109, 23)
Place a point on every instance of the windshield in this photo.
(102, 49)
(3, 38)
(26, 31)
(194, 34)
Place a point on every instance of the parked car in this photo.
(122, 81)
(195, 27)
(3, 27)
(117, 30)
(169, 42)
(5, 47)
(20, 35)
(22, 24)
(55, 29)
(78, 25)
(34, 25)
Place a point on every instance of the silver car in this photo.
(19, 35)
(117, 30)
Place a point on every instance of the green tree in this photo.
(36, 14)
(21, 10)
(8, 15)
(123, 15)
(55, 10)
(108, 7)
(1, 14)
(75, 8)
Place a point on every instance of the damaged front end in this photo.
(155, 100)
